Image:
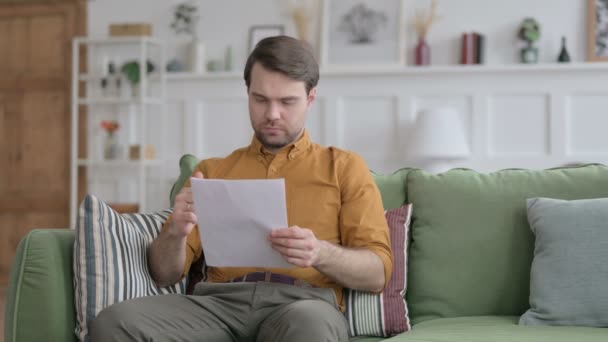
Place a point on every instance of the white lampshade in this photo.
(437, 134)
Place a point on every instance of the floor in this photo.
(2, 304)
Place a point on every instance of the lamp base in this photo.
(437, 166)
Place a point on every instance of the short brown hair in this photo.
(290, 56)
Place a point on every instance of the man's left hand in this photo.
(299, 246)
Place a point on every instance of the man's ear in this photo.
(312, 95)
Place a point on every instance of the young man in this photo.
(338, 236)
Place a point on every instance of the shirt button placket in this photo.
(272, 171)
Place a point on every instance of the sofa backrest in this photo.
(472, 247)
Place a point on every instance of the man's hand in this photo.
(184, 218)
(299, 246)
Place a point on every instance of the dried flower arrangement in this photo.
(301, 12)
(424, 20)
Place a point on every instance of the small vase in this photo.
(423, 53)
(529, 55)
(196, 56)
(111, 148)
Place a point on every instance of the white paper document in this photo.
(235, 218)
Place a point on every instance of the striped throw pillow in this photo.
(385, 314)
(110, 262)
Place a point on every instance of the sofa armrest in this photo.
(40, 302)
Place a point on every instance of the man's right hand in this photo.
(184, 218)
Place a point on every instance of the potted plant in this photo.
(131, 70)
(529, 32)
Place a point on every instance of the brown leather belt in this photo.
(270, 277)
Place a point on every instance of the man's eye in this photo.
(260, 100)
(288, 102)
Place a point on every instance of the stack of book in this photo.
(473, 48)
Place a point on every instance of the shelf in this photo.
(95, 78)
(118, 162)
(117, 40)
(118, 101)
(414, 70)
(215, 75)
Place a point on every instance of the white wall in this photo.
(227, 22)
(515, 117)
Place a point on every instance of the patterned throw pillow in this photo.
(110, 263)
(385, 314)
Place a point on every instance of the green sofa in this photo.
(468, 270)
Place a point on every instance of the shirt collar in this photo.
(302, 143)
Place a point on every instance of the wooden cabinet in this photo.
(35, 60)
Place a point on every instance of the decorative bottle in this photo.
(564, 56)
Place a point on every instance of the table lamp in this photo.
(437, 139)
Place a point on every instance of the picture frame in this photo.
(597, 32)
(259, 32)
(363, 33)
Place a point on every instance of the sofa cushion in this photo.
(472, 247)
(569, 278)
(384, 314)
(110, 259)
(495, 329)
(40, 298)
(393, 188)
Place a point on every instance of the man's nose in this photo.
(273, 111)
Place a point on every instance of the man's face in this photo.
(277, 107)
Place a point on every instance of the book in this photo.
(481, 46)
(473, 46)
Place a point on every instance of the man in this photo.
(338, 236)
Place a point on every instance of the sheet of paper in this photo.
(235, 218)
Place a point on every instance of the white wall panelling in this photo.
(587, 120)
(521, 116)
(518, 125)
(513, 119)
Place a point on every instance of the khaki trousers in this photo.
(225, 312)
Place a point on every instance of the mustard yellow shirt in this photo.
(329, 191)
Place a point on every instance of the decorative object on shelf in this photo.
(132, 73)
(529, 32)
(473, 48)
(228, 59)
(437, 139)
(111, 83)
(369, 32)
(259, 32)
(130, 30)
(305, 16)
(302, 12)
(149, 152)
(597, 32)
(564, 56)
(215, 65)
(111, 148)
(422, 23)
(175, 65)
(185, 21)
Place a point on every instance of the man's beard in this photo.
(288, 139)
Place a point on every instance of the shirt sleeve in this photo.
(194, 248)
(362, 220)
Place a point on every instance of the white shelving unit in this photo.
(141, 102)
